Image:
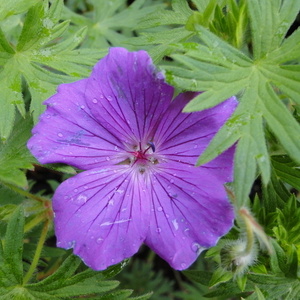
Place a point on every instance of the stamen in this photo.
(152, 146)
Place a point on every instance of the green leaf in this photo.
(178, 15)
(220, 276)
(44, 57)
(110, 23)
(202, 277)
(13, 7)
(4, 44)
(158, 42)
(84, 289)
(286, 170)
(14, 155)
(13, 245)
(221, 70)
(142, 297)
(120, 295)
(270, 20)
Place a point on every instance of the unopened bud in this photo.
(236, 257)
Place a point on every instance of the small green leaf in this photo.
(202, 277)
(220, 276)
(270, 21)
(13, 246)
(118, 295)
(14, 155)
(13, 7)
(286, 170)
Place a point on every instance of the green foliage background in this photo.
(221, 47)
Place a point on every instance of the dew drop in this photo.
(101, 96)
(112, 260)
(75, 190)
(48, 116)
(99, 240)
(158, 229)
(82, 107)
(175, 224)
(95, 100)
(183, 265)
(171, 180)
(66, 197)
(60, 134)
(195, 247)
(81, 199)
(71, 244)
(107, 158)
(109, 98)
(160, 208)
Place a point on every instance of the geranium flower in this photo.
(139, 151)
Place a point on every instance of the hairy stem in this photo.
(37, 253)
(24, 193)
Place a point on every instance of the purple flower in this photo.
(139, 151)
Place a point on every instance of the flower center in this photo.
(143, 157)
(144, 154)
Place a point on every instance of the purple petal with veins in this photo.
(138, 150)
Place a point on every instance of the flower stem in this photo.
(249, 230)
(37, 253)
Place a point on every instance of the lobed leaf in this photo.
(13, 246)
(42, 59)
(14, 155)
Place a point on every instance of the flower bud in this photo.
(236, 257)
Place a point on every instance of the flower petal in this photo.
(184, 136)
(124, 89)
(186, 217)
(68, 133)
(103, 214)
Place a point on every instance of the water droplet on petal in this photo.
(107, 158)
(109, 98)
(75, 190)
(60, 134)
(82, 107)
(95, 100)
(158, 229)
(99, 240)
(171, 180)
(195, 247)
(175, 224)
(159, 208)
(183, 265)
(101, 96)
(112, 260)
(81, 199)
